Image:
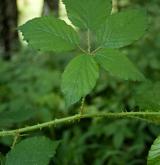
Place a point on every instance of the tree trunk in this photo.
(51, 6)
(8, 27)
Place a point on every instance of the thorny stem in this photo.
(15, 140)
(147, 116)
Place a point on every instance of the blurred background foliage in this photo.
(30, 91)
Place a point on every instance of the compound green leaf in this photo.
(79, 78)
(32, 151)
(88, 14)
(154, 153)
(122, 29)
(49, 34)
(118, 65)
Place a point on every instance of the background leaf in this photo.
(88, 14)
(118, 64)
(31, 151)
(16, 116)
(2, 159)
(49, 34)
(121, 29)
(154, 153)
(79, 78)
(147, 96)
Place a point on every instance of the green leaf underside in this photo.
(88, 14)
(122, 29)
(154, 153)
(32, 151)
(79, 78)
(118, 65)
(49, 34)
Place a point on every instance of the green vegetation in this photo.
(37, 89)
